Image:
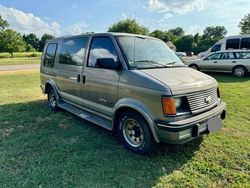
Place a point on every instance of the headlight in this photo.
(177, 102)
(175, 106)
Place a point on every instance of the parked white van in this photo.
(229, 43)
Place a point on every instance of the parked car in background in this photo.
(229, 43)
(181, 55)
(133, 85)
(235, 61)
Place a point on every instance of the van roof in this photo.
(233, 50)
(100, 34)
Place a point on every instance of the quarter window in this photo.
(233, 44)
(50, 55)
(73, 51)
(245, 43)
(101, 47)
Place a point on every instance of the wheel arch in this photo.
(138, 107)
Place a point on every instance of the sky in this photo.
(69, 17)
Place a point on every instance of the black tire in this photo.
(193, 66)
(134, 133)
(52, 99)
(239, 71)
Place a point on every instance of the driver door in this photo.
(210, 63)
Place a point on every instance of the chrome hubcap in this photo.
(133, 132)
(52, 99)
(239, 71)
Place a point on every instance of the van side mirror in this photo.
(107, 63)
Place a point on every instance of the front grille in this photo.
(202, 100)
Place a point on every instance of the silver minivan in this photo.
(133, 85)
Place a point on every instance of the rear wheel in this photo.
(52, 100)
(239, 71)
(135, 134)
(195, 67)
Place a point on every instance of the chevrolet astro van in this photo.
(133, 85)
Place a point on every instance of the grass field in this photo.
(20, 61)
(44, 149)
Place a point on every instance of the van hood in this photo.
(182, 80)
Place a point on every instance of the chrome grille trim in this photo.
(197, 102)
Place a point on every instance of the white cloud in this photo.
(193, 29)
(176, 6)
(26, 23)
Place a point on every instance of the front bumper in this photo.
(182, 131)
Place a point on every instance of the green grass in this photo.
(20, 54)
(20, 61)
(44, 149)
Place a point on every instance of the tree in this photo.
(214, 33)
(3, 24)
(128, 26)
(11, 41)
(43, 40)
(244, 24)
(178, 31)
(163, 35)
(32, 40)
(184, 43)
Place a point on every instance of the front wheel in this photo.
(195, 67)
(135, 134)
(52, 100)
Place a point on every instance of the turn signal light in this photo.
(169, 106)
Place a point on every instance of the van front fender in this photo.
(141, 109)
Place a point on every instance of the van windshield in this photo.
(146, 53)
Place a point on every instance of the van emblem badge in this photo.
(208, 99)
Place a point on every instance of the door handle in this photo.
(78, 78)
(83, 79)
(233, 61)
(215, 62)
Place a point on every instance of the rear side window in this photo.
(243, 55)
(72, 51)
(101, 47)
(228, 55)
(233, 44)
(216, 48)
(245, 43)
(50, 55)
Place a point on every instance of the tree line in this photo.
(12, 41)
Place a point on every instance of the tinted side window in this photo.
(50, 55)
(245, 43)
(216, 48)
(101, 47)
(214, 56)
(233, 44)
(73, 50)
(228, 55)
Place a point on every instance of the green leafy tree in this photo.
(32, 40)
(214, 33)
(43, 40)
(244, 24)
(163, 35)
(11, 41)
(184, 43)
(3, 24)
(178, 32)
(129, 26)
